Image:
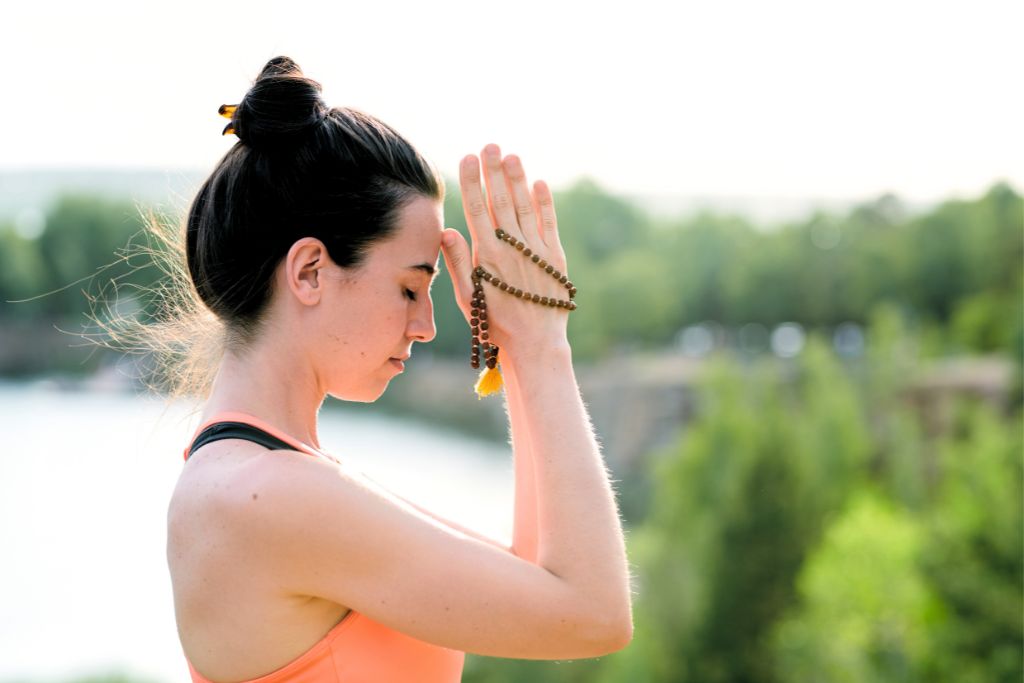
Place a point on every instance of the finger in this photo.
(460, 267)
(548, 220)
(504, 210)
(521, 197)
(474, 206)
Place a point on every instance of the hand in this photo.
(514, 324)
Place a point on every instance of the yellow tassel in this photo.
(489, 382)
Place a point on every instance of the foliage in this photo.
(957, 268)
(865, 607)
(974, 555)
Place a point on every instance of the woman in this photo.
(314, 241)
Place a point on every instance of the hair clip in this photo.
(228, 111)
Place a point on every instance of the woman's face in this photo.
(374, 314)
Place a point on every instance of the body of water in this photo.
(85, 479)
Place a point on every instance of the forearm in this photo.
(524, 527)
(579, 533)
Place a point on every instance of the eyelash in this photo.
(410, 294)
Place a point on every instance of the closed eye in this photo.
(410, 294)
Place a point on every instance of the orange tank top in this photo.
(357, 649)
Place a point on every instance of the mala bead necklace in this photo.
(490, 379)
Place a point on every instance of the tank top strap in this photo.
(233, 424)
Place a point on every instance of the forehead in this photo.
(417, 238)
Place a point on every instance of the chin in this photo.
(366, 395)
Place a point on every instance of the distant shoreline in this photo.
(35, 189)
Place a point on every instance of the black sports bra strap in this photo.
(237, 430)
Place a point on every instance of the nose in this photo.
(421, 322)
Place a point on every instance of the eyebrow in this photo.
(426, 268)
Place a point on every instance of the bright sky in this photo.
(793, 98)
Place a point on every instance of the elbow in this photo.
(616, 634)
(620, 638)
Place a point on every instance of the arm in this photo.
(524, 534)
(579, 533)
(524, 542)
(469, 532)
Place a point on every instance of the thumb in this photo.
(460, 266)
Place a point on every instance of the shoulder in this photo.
(227, 479)
(273, 495)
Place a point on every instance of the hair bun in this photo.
(281, 104)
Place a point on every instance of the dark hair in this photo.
(298, 169)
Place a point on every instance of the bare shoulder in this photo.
(227, 594)
(333, 534)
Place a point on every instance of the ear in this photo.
(303, 269)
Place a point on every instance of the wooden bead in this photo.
(535, 258)
(550, 269)
(483, 326)
(542, 263)
(485, 335)
(503, 286)
(563, 279)
(527, 252)
(536, 298)
(491, 362)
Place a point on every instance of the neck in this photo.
(276, 387)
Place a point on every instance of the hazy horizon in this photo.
(33, 189)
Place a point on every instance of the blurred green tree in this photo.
(864, 605)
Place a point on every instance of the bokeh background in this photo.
(798, 235)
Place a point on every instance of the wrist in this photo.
(527, 349)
